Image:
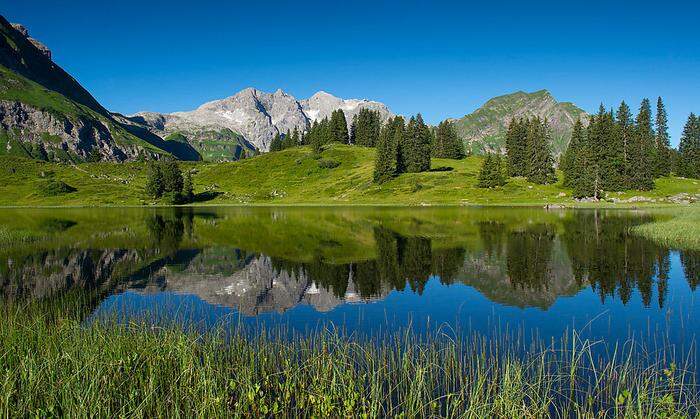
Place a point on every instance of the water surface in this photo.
(539, 273)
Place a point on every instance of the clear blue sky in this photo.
(443, 59)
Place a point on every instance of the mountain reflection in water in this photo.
(443, 263)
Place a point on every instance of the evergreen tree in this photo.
(385, 162)
(663, 141)
(276, 143)
(172, 177)
(447, 144)
(516, 147)
(365, 128)
(585, 183)
(288, 141)
(568, 160)
(689, 149)
(642, 150)
(339, 127)
(400, 144)
(491, 173)
(417, 145)
(188, 187)
(624, 129)
(541, 162)
(154, 184)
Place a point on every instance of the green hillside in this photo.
(48, 115)
(485, 128)
(293, 176)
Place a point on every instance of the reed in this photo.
(52, 364)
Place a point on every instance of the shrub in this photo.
(54, 187)
(328, 163)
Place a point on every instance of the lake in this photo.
(526, 271)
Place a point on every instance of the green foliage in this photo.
(276, 143)
(447, 144)
(517, 159)
(365, 128)
(491, 173)
(188, 187)
(540, 163)
(662, 165)
(339, 127)
(416, 146)
(567, 164)
(53, 187)
(165, 180)
(689, 149)
(386, 159)
(328, 163)
(642, 150)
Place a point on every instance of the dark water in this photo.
(536, 272)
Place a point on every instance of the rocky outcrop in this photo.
(46, 114)
(41, 47)
(321, 105)
(60, 138)
(256, 115)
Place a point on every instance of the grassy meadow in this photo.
(680, 229)
(294, 176)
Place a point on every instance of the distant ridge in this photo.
(485, 128)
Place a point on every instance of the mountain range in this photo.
(46, 114)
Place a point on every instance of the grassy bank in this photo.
(53, 366)
(294, 176)
(680, 229)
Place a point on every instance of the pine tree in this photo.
(288, 141)
(447, 144)
(188, 187)
(624, 128)
(568, 160)
(276, 143)
(491, 173)
(541, 162)
(584, 183)
(339, 127)
(663, 141)
(365, 128)
(385, 162)
(400, 144)
(689, 149)
(516, 147)
(417, 145)
(172, 177)
(611, 154)
(642, 150)
(154, 184)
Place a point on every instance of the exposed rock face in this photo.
(41, 47)
(485, 129)
(46, 114)
(56, 137)
(321, 105)
(257, 115)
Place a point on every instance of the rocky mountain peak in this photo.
(259, 116)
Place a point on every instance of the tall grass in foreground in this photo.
(682, 231)
(52, 365)
(13, 237)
